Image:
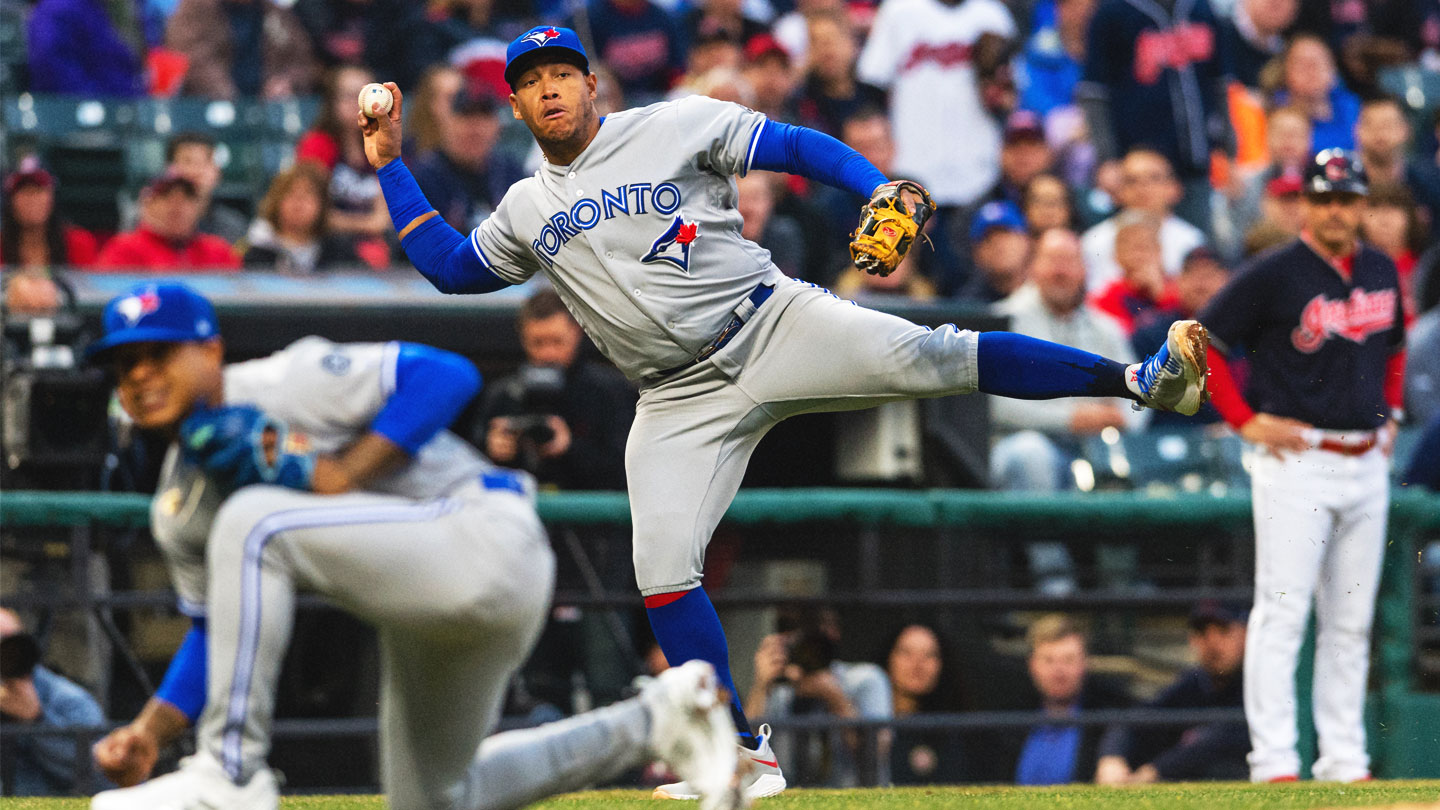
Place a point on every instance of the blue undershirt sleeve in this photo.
(1022, 367)
(816, 156)
(184, 684)
(432, 386)
(441, 254)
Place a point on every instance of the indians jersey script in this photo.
(640, 234)
(1317, 340)
(328, 394)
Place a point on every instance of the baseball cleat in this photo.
(200, 784)
(1173, 378)
(691, 730)
(760, 774)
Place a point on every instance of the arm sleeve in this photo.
(814, 155)
(431, 388)
(452, 263)
(1224, 393)
(184, 684)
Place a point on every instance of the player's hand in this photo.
(1277, 434)
(559, 445)
(382, 135)
(1386, 435)
(19, 700)
(1112, 770)
(1145, 775)
(1090, 418)
(771, 658)
(126, 755)
(502, 443)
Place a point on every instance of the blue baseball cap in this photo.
(550, 42)
(155, 313)
(999, 214)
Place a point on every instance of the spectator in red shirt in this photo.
(166, 239)
(31, 236)
(1142, 286)
(335, 142)
(1391, 222)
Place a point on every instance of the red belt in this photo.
(1359, 448)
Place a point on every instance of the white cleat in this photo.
(760, 774)
(1173, 378)
(691, 730)
(200, 784)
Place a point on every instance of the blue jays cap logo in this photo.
(134, 307)
(673, 245)
(540, 36)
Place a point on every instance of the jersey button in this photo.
(609, 254)
(572, 175)
(637, 293)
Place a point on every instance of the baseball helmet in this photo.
(1335, 170)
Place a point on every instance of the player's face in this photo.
(1333, 219)
(552, 341)
(915, 662)
(556, 101)
(1058, 669)
(1219, 648)
(160, 383)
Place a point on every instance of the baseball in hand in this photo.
(375, 100)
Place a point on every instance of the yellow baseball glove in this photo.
(888, 228)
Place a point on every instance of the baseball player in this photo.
(327, 467)
(1320, 321)
(633, 219)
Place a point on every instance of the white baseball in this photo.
(375, 100)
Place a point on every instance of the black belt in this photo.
(757, 297)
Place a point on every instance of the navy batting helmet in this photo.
(1335, 170)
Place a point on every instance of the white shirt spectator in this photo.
(1177, 239)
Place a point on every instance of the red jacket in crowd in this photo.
(144, 249)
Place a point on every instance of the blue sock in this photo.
(687, 628)
(1023, 367)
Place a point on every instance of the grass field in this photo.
(1213, 796)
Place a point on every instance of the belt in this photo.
(1344, 448)
(757, 297)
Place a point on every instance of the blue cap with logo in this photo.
(549, 41)
(999, 214)
(155, 313)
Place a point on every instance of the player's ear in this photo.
(592, 81)
(214, 350)
(515, 106)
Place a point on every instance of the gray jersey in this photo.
(640, 234)
(332, 392)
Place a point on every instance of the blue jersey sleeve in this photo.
(814, 155)
(432, 386)
(184, 684)
(441, 254)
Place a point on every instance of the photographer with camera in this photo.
(560, 417)
(32, 695)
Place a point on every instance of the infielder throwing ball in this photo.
(327, 467)
(1321, 323)
(633, 219)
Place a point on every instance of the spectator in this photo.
(1254, 35)
(769, 72)
(1001, 248)
(192, 156)
(639, 42)
(243, 49)
(1287, 136)
(1208, 751)
(709, 19)
(915, 663)
(33, 696)
(944, 136)
(1391, 223)
(1280, 207)
(1056, 752)
(1046, 203)
(718, 51)
(796, 673)
(1024, 155)
(75, 49)
(290, 235)
(466, 177)
(1142, 288)
(907, 283)
(429, 110)
(1158, 82)
(792, 29)
(465, 33)
(1201, 276)
(831, 93)
(1054, 56)
(336, 143)
(561, 417)
(166, 241)
(1382, 136)
(780, 235)
(389, 37)
(1422, 370)
(31, 293)
(1311, 84)
(1368, 35)
(31, 235)
(1147, 188)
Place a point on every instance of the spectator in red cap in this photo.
(31, 236)
(770, 73)
(1202, 274)
(166, 239)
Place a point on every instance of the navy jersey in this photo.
(1161, 72)
(1317, 343)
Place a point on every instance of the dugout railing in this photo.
(982, 525)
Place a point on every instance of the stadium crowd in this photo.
(1098, 176)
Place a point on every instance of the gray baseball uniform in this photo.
(445, 556)
(641, 237)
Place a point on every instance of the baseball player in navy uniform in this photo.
(327, 467)
(1321, 324)
(633, 219)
